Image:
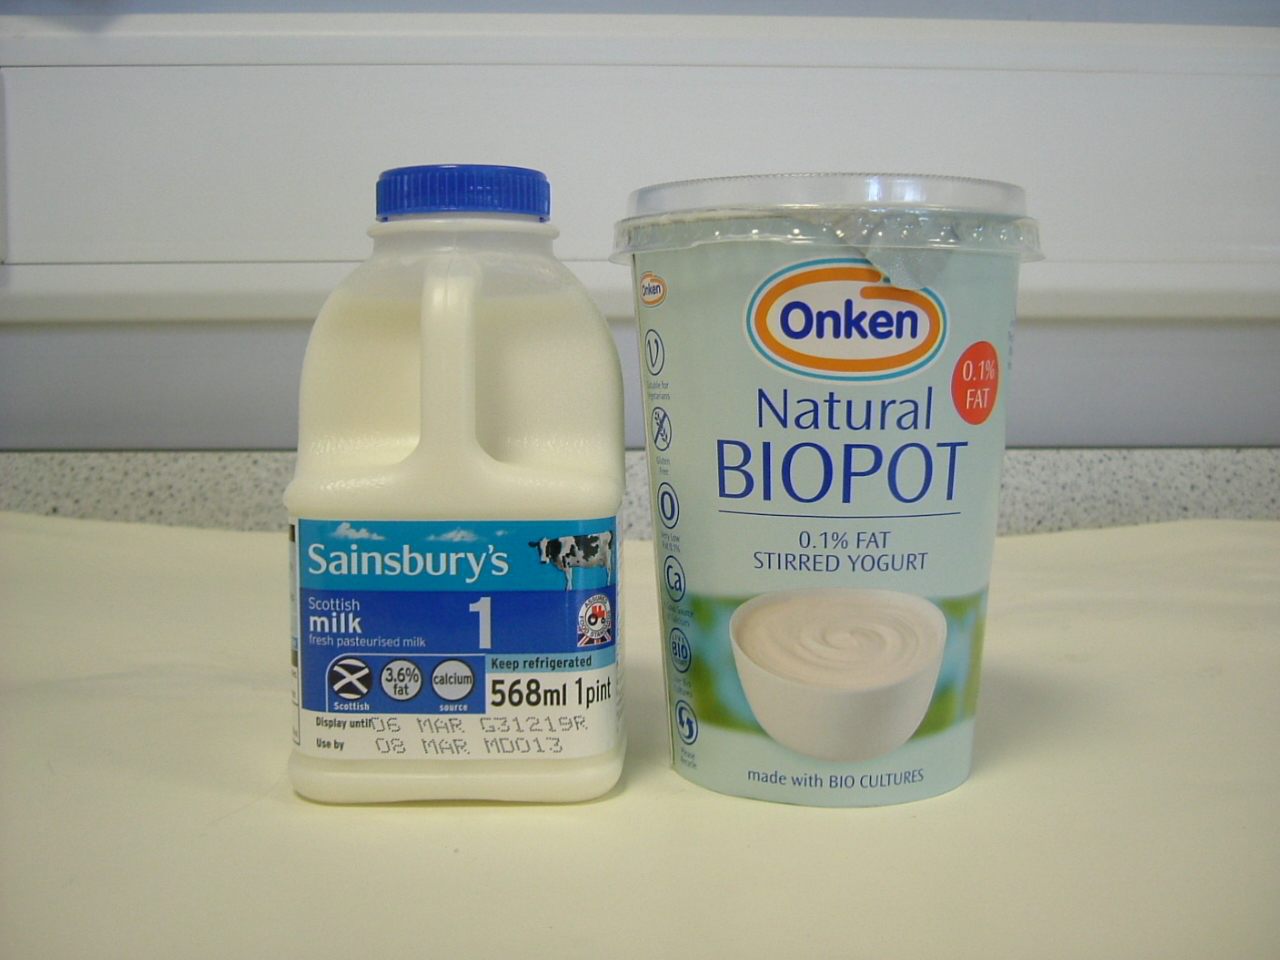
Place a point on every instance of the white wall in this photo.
(183, 190)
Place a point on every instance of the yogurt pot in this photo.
(824, 365)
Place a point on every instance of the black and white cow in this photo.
(568, 553)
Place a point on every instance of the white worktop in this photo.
(1125, 801)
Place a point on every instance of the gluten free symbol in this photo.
(661, 428)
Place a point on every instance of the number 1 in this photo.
(481, 607)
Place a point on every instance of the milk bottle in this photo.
(453, 511)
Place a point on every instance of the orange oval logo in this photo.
(840, 319)
(653, 289)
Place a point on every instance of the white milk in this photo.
(455, 629)
(825, 360)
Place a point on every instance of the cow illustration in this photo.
(568, 553)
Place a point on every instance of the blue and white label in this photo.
(458, 640)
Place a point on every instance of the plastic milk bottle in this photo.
(453, 512)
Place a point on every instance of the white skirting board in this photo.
(196, 170)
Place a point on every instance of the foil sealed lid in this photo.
(909, 211)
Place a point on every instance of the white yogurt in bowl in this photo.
(839, 673)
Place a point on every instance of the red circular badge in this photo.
(975, 382)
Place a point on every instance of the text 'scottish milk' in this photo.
(455, 625)
(824, 362)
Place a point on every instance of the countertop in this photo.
(1125, 800)
(1041, 491)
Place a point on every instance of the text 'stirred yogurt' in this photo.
(824, 362)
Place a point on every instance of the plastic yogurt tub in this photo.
(824, 360)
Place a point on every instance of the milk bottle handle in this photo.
(449, 442)
(447, 340)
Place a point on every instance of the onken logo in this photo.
(842, 320)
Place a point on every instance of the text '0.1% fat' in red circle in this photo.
(975, 382)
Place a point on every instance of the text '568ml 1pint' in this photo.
(454, 535)
(825, 361)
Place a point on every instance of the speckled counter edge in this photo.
(1043, 490)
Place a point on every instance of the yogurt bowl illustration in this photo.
(841, 674)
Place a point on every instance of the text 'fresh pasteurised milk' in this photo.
(455, 617)
(824, 374)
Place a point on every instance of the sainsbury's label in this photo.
(840, 319)
(456, 640)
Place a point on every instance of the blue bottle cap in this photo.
(463, 188)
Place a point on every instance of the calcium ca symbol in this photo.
(673, 578)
